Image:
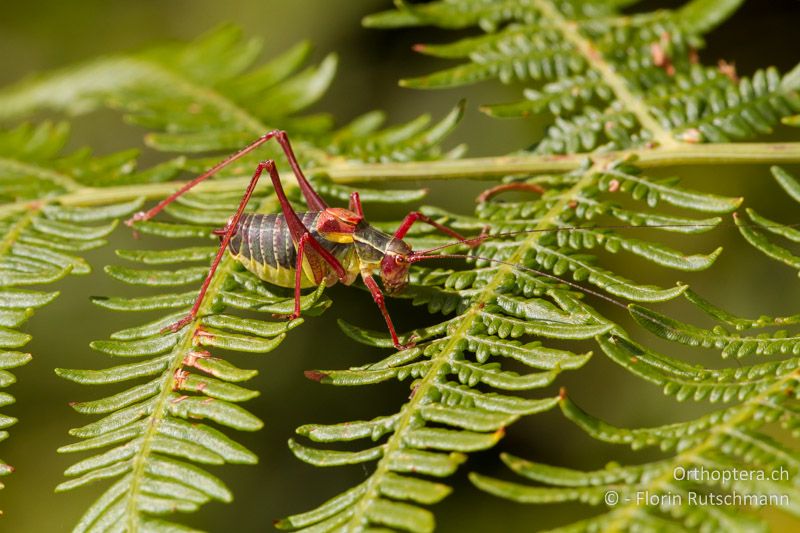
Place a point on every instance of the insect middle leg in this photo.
(416, 216)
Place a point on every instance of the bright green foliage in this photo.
(153, 444)
(41, 241)
(34, 167)
(734, 437)
(723, 441)
(754, 229)
(143, 440)
(185, 374)
(217, 102)
(612, 82)
(461, 396)
(565, 50)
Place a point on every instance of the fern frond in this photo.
(154, 454)
(154, 448)
(42, 242)
(753, 232)
(363, 141)
(710, 452)
(686, 381)
(217, 102)
(460, 399)
(214, 101)
(732, 439)
(613, 82)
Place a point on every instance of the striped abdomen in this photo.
(263, 244)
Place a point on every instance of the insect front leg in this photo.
(355, 204)
(377, 296)
(416, 216)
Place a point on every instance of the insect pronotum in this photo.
(325, 244)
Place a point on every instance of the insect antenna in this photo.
(474, 241)
(429, 253)
(414, 258)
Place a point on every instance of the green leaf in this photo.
(728, 343)
(703, 16)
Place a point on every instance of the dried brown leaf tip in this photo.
(728, 69)
(315, 375)
(659, 51)
(692, 136)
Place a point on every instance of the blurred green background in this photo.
(44, 34)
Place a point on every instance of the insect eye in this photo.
(400, 259)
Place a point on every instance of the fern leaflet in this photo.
(41, 241)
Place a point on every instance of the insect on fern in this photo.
(280, 249)
(300, 250)
(626, 92)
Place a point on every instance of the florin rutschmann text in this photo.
(701, 474)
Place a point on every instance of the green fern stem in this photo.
(16, 229)
(493, 167)
(469, 168)
(160, 406)
(451, 349)
(182, 348)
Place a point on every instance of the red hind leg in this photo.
(300, 235)
(225, 238)
(314, 200)
(303, 239)
(296, 226)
